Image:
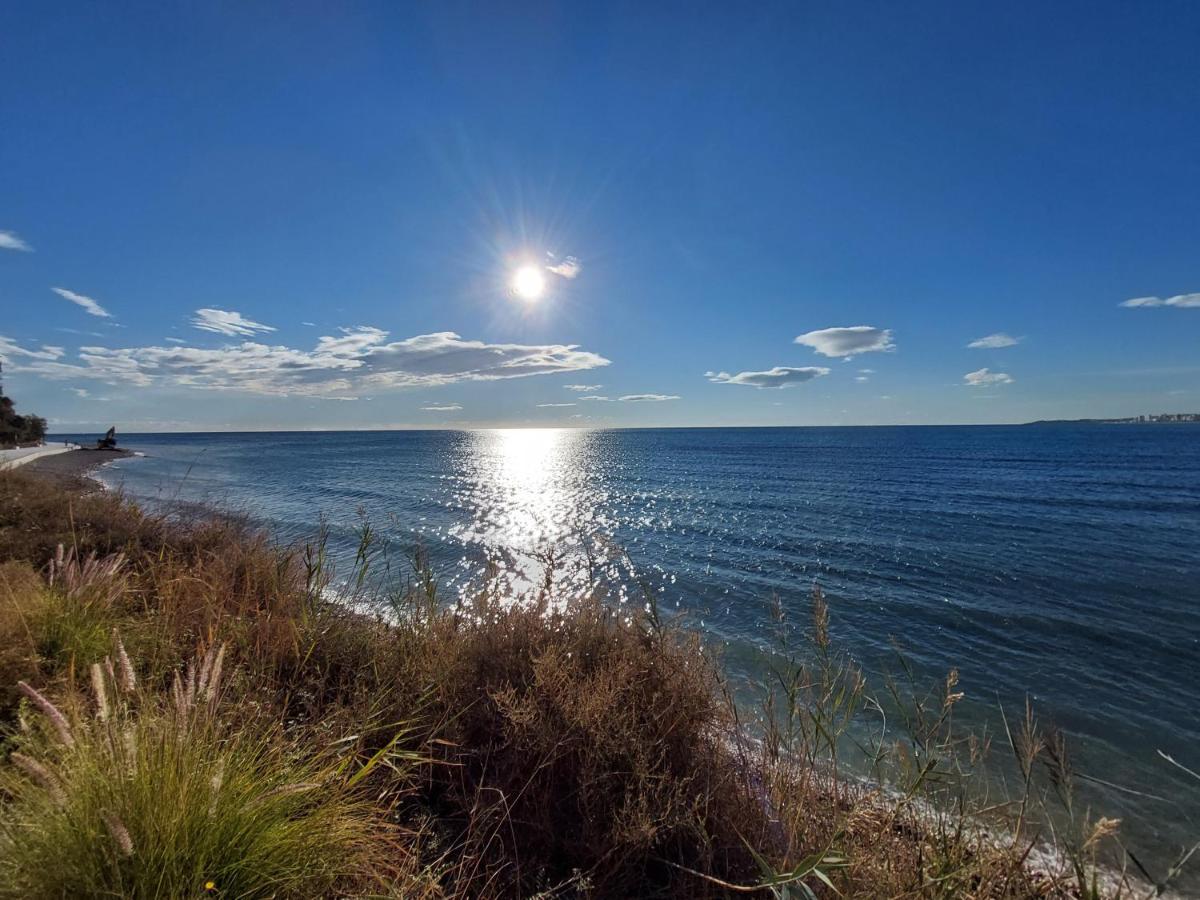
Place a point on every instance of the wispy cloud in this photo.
(777, 377)
(9, 240)
(862, 378)
(449, 407)
(632, 398)
(80, 392)
(336, 368)
(89, 305)
(994, 341)
(553, 405)
(1186, 301)
(9, 349)
(174, 340)
(309, 324)
(985, 377)
(848, 341)
(568, 267)
(583, 388)
(228, 322)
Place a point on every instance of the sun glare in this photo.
(529, 283)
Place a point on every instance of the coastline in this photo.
(781, 785)
(76, 468)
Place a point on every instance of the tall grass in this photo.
(158, 794)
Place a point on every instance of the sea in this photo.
(1057, 564)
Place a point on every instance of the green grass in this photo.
(163, 794)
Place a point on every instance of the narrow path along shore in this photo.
(72, 467)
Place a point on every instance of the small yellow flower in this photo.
(210, 885)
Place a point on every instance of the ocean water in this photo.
(1059, 563)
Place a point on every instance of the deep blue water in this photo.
(1059, 562)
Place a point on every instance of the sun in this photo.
(529, 283)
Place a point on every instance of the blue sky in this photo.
(718, 182)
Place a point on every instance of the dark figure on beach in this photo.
(109, 441)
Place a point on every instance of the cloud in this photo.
(89, 305)
(337, 367)
(444, 357)
(647, 398)
(984, 377)
(553, 405)
(309, 324)
(867, 371)
(569, 268)
(230, 323)
(862, 378)
(595, 397)
(80, 392)
(777, 377)
(1183, 301)
(848, 341)
(10, 241)
(583, 387)
(449, 407)
(10, 349)
(173, 340)
(994, 341)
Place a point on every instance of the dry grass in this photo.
(488, 750)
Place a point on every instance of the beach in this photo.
(72, 467)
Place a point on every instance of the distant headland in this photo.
(1153, 419)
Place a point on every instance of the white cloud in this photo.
(173, 340)
(309, 324)
(583, 388)
(9, 240)
(449, 407)
(848, 341)
(89, 305)
(1183, 301)
(862, 378)
(336, 368)
(867, 371)
(553, 405)
(994, 341)
(632, 398)
(80, 392)
(9, 349)
(569, 267)
(777, 377)
(227, 322)
(984, 377)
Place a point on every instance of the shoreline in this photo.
(76, 468)
(1045, 867)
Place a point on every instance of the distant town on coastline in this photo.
(1152, 418)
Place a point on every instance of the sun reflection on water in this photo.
(536, 508)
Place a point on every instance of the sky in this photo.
(248, 216)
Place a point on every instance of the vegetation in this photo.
(189, 715)
(17, 430)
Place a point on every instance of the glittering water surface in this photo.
(1059, 562)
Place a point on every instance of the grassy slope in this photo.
(489, 750)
